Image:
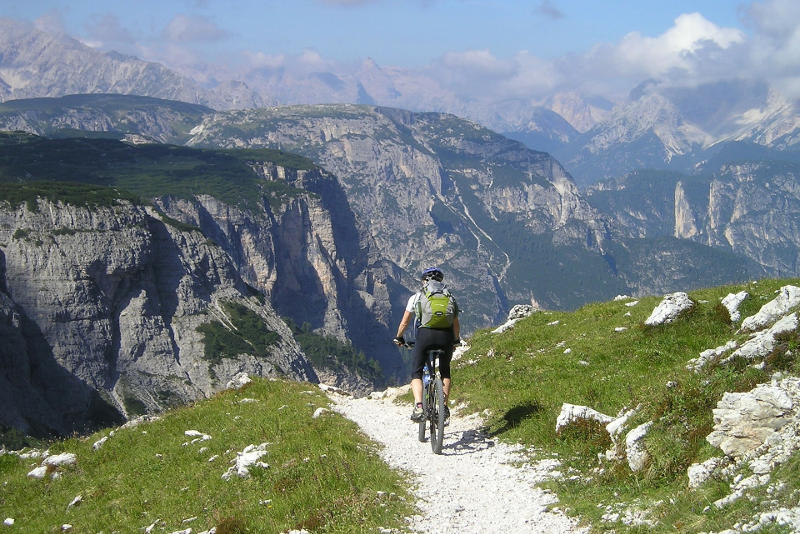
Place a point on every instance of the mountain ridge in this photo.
(594, 139)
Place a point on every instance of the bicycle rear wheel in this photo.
(437, 418)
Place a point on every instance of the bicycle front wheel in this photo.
(437, 418)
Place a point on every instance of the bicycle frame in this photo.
(433, 401)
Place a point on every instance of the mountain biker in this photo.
(429, 338)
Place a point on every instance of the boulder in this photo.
(634, 448)
(669, 309)
(708, 355)
(788, 297)
(764, 342)
(615, 429)
(520, 311)
(517, 313)
(744, 421)
(699, 473)
(572, 413)
(731, 303)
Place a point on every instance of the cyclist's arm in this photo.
(404, 323)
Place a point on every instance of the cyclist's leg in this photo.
(416, 389)
(444, 361)
(418, 362)
(446, 388)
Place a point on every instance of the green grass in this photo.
(330, 353)
(323, 475)
(248, 334)
(78, 194)
(30, 165)
(524, 375)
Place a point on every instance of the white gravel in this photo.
(472, 486)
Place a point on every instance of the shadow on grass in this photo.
(513, 417)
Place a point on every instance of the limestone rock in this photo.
(744, 421)
(698, 474)
(520, 311)
(105, 303)
(250, 456)
(615, 429)
(763, 342)
(731, 303)
(696, 364)
(669, 309)
(788, 297)
(635, 451)
(571, 413)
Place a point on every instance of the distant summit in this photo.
(34, 63)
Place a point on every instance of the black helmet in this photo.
(432, 273)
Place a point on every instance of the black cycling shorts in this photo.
(432, 338)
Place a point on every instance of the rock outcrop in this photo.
(430, 188)
(100, 307)
(669, 309)
(744, 421)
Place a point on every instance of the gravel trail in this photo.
(472, 487)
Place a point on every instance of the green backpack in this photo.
(436, 308)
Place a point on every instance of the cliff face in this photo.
(413, 189)
(303, 251)
(750, 209)
(101, 306)
(753, 209)
(434, 189)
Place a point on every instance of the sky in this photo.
(517, 47)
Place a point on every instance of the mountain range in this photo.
(316, 219)
(657, 126)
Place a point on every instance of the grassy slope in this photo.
(149, 170)
(323, 475)
(522, 377)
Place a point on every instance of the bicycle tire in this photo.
(422, 424)
(437, 419)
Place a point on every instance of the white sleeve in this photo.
(412, 302)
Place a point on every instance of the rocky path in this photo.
(472, 487)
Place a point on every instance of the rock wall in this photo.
(100, 307)
(429, 188)
(305, 253)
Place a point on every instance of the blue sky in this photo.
(392, 32)
(512, 48)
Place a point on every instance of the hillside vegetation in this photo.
(148, 170)
(604, 357)
(322, 475)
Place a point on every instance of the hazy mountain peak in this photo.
(34, 64)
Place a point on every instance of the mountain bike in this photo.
(432, 400)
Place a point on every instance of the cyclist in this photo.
(429, 338)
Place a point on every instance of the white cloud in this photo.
(774, 50)
(777, 19)
(260, 60)
(693, 50)
(50, 22)
(477, 62)
(92, 44)
(677, 48)
(107, 30)
(311, 58)
(193, 28)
